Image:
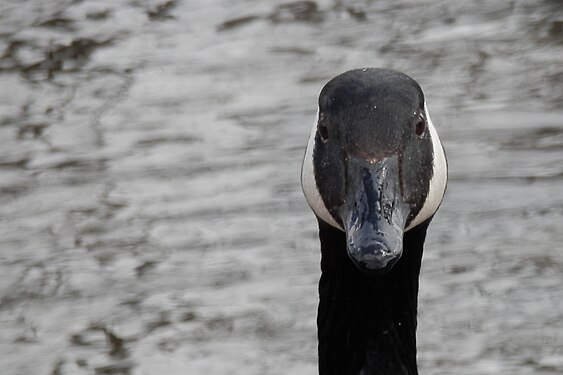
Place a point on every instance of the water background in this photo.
(151, 217)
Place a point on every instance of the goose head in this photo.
(374, 167)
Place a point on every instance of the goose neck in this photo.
(367, 323)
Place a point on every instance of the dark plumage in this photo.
(374, 174)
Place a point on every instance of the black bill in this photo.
(374, 214)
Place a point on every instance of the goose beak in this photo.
(374, 214)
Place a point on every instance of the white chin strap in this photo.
(433, 199)
(309, 183)
(439, 177)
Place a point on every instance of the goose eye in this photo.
(323, 131)
(419, 126)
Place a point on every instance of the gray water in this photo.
(151, 217)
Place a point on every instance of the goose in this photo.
(374, 174)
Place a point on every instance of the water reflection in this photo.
(152, 219)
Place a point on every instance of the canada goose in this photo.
(374, 173)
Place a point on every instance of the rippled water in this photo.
(151, 218)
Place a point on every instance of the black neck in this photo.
(367, 324)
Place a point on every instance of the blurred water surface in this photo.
(151, 218)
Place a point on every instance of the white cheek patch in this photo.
(433, 200)
(309, 183)
(439, 177)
